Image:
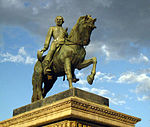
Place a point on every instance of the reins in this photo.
(68, 42)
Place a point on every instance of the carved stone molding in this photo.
(73, 123)
(104, 111)
(72, 107)
(74, 92)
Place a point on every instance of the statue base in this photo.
(71, 108)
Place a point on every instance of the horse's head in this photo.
(81, 32)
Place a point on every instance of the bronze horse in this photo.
(67, 58)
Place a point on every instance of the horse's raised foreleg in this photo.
(86, 63)
(67, 67)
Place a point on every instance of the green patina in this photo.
(66, 54)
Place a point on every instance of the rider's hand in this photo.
(63, 34)
(42, 52)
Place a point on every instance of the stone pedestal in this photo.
(71, 108)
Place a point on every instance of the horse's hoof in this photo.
(75, 80)
(90, 79)
(41, 98)
(70, 87)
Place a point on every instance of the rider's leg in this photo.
(47, 60)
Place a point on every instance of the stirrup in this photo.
(49, 77)
(47, 71)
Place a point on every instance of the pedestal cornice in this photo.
(71, 108)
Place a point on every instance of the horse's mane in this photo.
(79, 32)
(73, 36)
(73, 30)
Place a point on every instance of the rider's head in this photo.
(59, 20)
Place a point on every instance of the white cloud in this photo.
(143, 87)
(101, 92)
(107, 77)
(104, 76)
(117, 101)
(139, 59)
(112, 97)
(82, 78)
(141, 79)
(97, 74)
(128, 77)
(29, 60)
(80, 74)
(132, 77)
(7, 57)
(93, 47)
(85, 88)
(21, 57)
(22, 51)
(144, 98)
(82, 82)
(105, 50)
(119, 35)
(98, 47)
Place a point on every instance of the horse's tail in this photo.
(37, 80)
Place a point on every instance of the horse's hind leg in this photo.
(48, 84)
(37, 87)
(34, 96)
(67, 67)
(86, 63)
(37, 80)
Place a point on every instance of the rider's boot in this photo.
(48, 61)
(46, 67)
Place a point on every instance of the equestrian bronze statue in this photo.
(66, 53)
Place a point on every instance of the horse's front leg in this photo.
(67, 67)
(86, 63)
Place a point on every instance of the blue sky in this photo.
(121, 44)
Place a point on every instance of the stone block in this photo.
(75, 92)
(71, 108)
